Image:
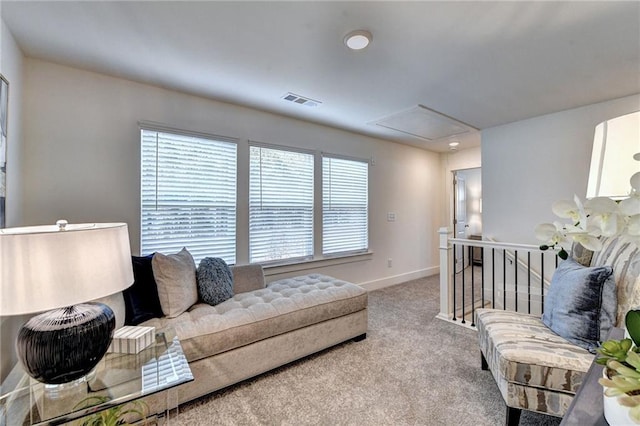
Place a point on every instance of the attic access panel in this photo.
(424, 123)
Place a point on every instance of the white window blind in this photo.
(280, 204)
(188, 195)
(344, 205)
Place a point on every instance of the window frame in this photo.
(242, 203)
(366, 249)
(276, 147)
(158, 128)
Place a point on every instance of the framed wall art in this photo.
(4, 106)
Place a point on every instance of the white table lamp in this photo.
(59, 269)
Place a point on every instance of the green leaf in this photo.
(632, 321)
(544, 247)
(562, 254)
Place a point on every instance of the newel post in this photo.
(446, 291)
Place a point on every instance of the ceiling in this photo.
(482, 63)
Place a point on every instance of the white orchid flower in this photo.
(587, 241)
(551, 233)
(632, 232)
(605, 214)
(569, 209)
(599, 217)
(635, 181)
(587, 237)
(633, 226)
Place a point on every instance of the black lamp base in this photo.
(65, 344)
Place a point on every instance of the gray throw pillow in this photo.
(581, 303)
(215, 281)
(175, 276)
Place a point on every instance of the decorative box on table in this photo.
(132, 339)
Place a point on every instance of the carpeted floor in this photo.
(411, 370)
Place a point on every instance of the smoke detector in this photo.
(301, 100)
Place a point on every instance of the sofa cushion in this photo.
(521, 349)
(581, 303)
(175, 275)
(215, 281)
(141, 299)
(282, 306)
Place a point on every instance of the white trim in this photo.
(398, 279)
(159, 127)
(344, 157)
(308, 264)
(279, 147)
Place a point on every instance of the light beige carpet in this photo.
(411, 370)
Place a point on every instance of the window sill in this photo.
(305, 265)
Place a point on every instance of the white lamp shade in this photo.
(44, 267)
(615, 143)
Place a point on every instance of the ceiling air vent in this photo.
(297, 99)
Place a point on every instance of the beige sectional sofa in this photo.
(262, 327)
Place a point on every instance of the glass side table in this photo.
(118, 379)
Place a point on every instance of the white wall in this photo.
(82, 162)
(529, 164)
(11, 64)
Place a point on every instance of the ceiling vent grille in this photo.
(301, 100)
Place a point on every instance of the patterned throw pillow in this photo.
(215, 281)
(581, 303)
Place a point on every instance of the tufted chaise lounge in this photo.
(263, 327)
(534, 368)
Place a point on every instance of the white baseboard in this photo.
(397, 279)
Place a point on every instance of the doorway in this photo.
(467, 209)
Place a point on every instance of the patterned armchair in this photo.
(536, 369)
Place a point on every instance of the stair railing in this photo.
(501, 276)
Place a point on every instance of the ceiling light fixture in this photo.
(358, 39)
(453, 146)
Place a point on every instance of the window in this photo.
(344, 205)
(188, 195)
(280, 204)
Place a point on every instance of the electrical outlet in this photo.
(389, 263)
(391, 217)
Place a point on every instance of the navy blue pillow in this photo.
(581, 303)
(141, 299)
